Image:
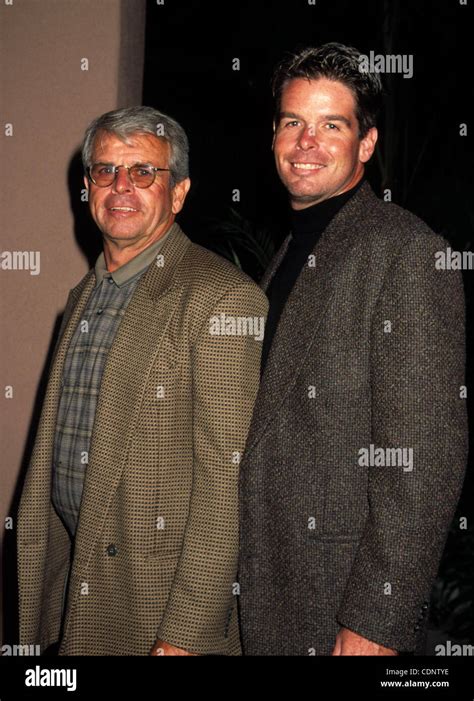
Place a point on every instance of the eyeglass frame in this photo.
(128, 168)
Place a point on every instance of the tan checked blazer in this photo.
(156, 546)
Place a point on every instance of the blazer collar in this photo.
(159, 275)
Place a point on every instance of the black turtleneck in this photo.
(307, 226)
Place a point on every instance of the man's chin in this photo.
(120, 235)
(300, 201)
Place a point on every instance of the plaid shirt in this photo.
(83, 369)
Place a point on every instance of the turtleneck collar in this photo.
(314, 219)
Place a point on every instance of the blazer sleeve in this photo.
(417, 371)
(226, 373)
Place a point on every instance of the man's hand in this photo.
(350, 643)
(161, 648)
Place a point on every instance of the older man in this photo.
(356, 451)
(127, 532)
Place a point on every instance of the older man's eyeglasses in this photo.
(104, 174)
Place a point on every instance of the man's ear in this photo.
(180, 190)
(86, 182)
(274, 134)
(367, 145)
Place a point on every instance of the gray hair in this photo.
(127, 121)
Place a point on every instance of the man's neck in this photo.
(118, 253)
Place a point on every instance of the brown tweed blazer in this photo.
(161, 484)
(325, 540)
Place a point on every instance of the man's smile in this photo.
(304, 168)
(122, 209)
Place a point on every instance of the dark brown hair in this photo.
(335, 62)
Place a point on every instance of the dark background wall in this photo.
(228, 114)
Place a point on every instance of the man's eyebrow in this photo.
(110, 163)
(326, 118)
(289, 115)
(337, 118)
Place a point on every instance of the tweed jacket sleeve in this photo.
(417, 371)
(225, 380)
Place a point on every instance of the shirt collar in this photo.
(136, 265)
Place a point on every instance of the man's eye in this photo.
(105, 170)
(143, 172)
(293, 123)
(332, 126)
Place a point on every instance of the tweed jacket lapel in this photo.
(304, 309)
(139, 337)
(274, 264)
(37, 492)
(75, 305)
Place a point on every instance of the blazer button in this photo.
(416, 628)
(112, 549)
(424, 607)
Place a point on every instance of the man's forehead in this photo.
(317, 88)
(136, 142)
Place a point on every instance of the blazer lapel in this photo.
(130, 358)
(304, 310)
(75, 305)
(36, 501)
(274, 264)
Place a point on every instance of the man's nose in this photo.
(122, 182)
(307, 138)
